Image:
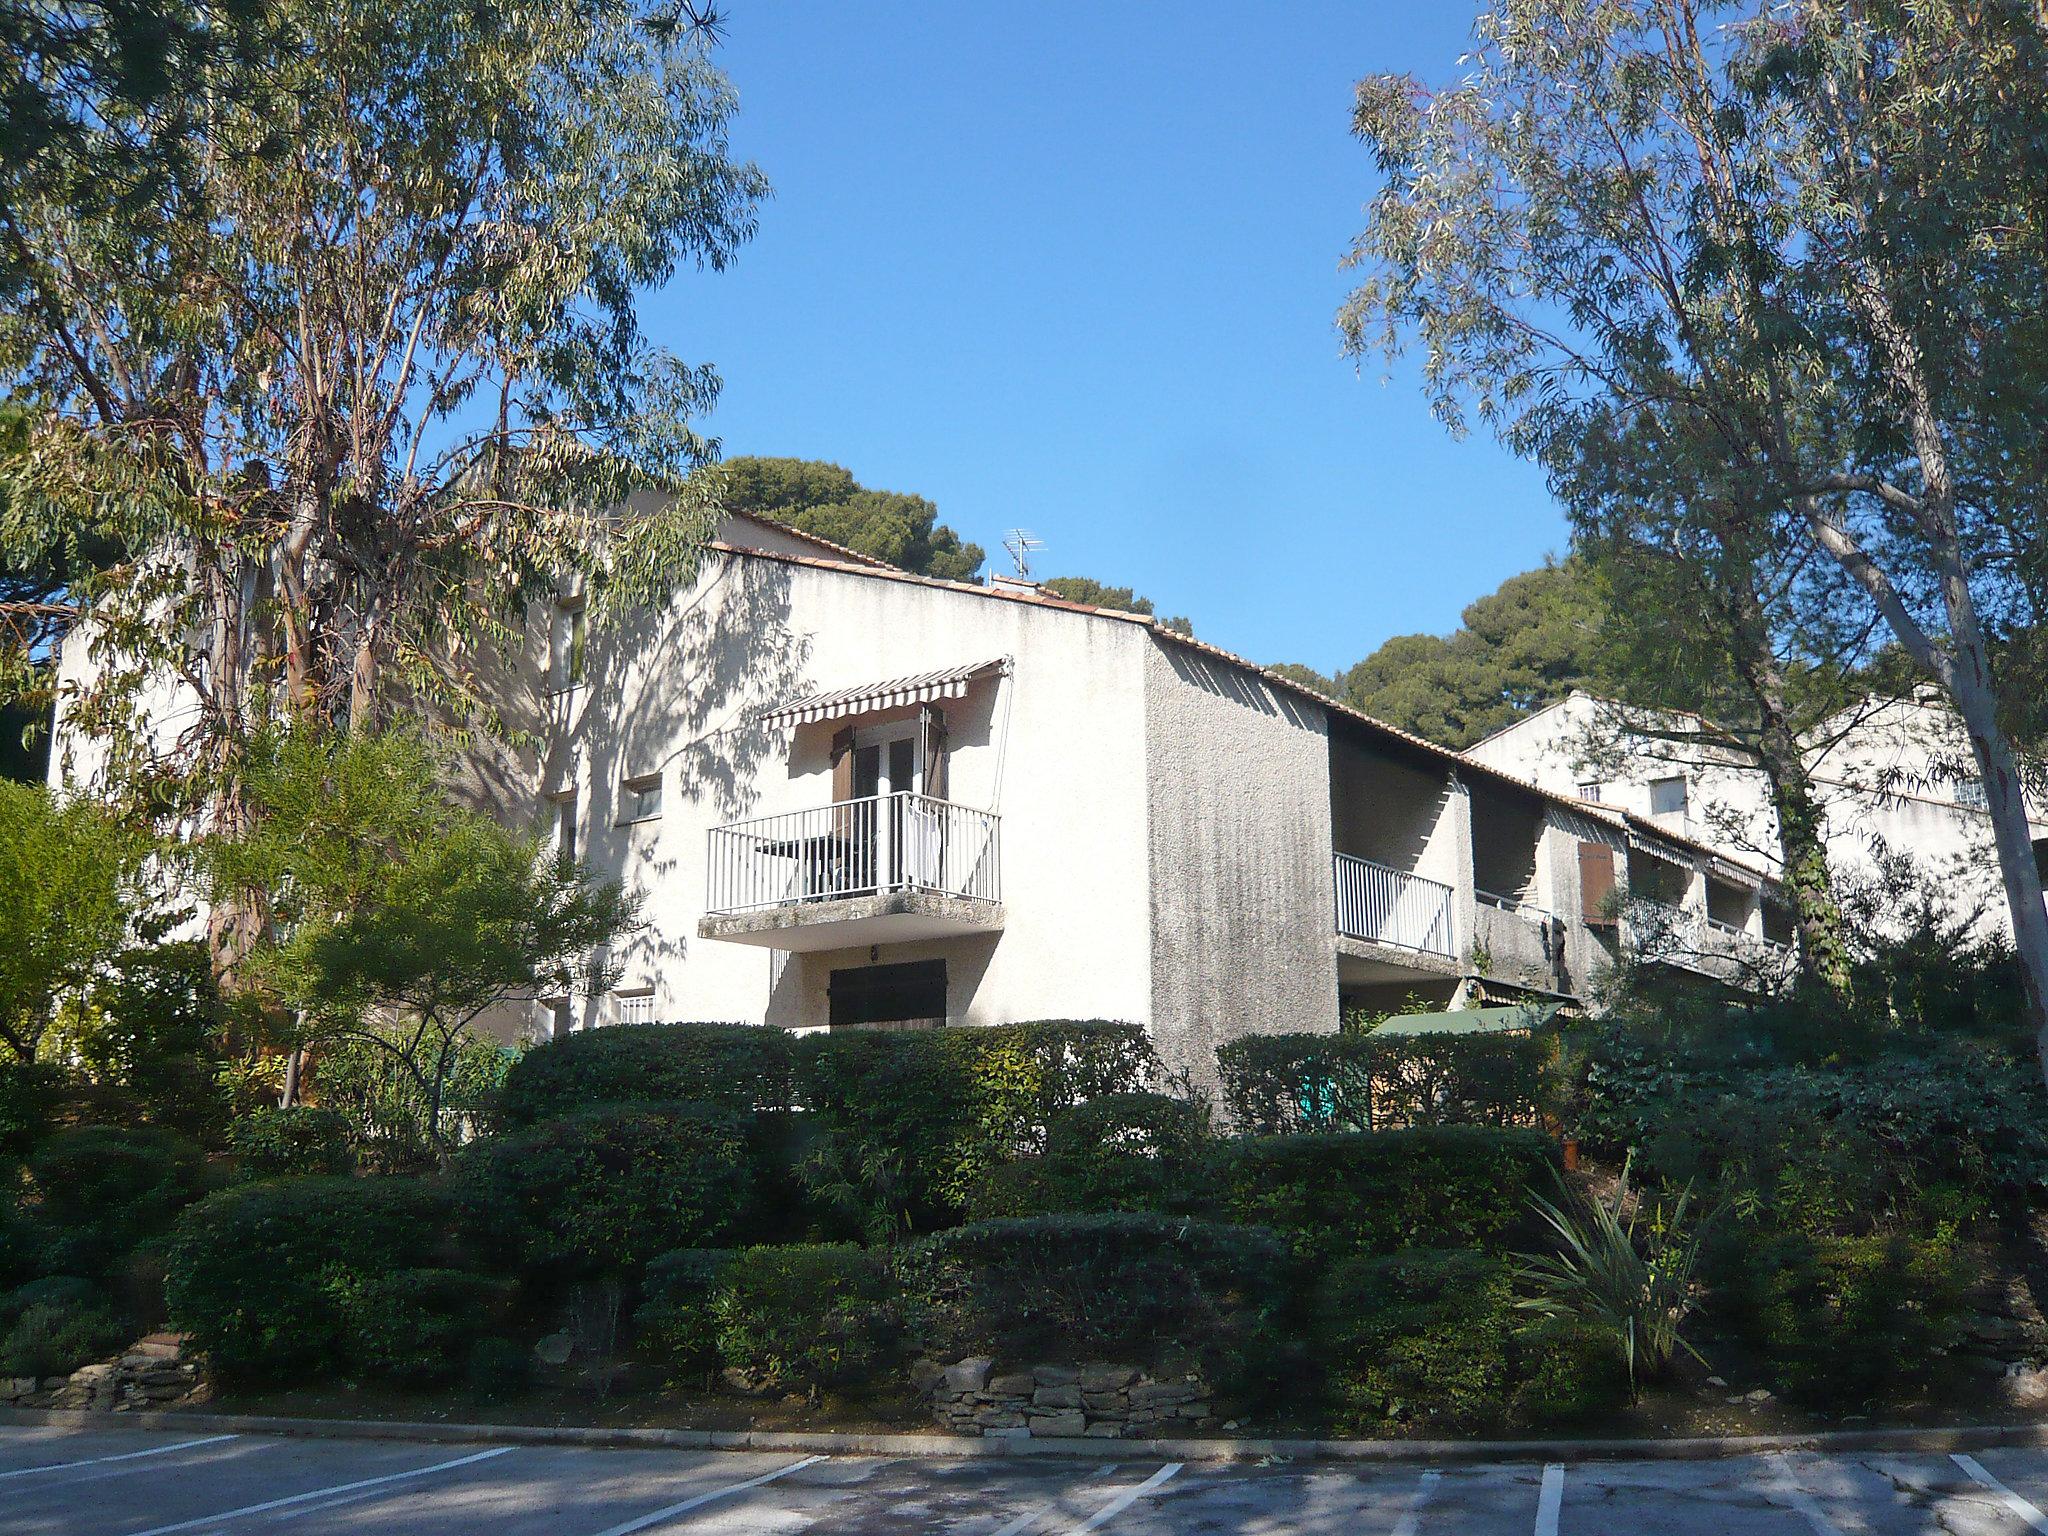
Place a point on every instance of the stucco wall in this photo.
(1057, 749)
(1242, 895)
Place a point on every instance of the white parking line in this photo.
(1551, 1500)
(323, 1493)
(701, 1499)
(1037, 1512)
(1126, 1499)
(1798, 1499)
(1411, 1517)
(2019, 1506)
(93, 1461)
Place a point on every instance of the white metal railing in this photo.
(900, 842)
(1388, 907)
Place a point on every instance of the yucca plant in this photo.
(1621, 1267)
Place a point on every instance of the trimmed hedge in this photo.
(604, 1190)
(1416, 1338)
(1850, 1319)
(101, 1191)
(1125, 1152)
(421, 1325)
(909, 1121)
(1376, 1192)
(801, 1316)
(264, 1275)
(1275, 1084)
(271, 1143)
(1148, 1290)
(739, 1067)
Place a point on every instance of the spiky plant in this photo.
(1621, 1266)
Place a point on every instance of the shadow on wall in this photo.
(1241, 688)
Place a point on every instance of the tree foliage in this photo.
(825, 500)
(1799, 247)
(368, 374)
(393, 917)
(72, 877)
(1086, 589)
(1524, 645)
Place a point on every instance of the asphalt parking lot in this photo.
(71, 1482)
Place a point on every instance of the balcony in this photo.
(1516, 941)
(1379, 905)
(1688, 939)
(880, 870)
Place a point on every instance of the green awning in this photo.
(1472, 1021)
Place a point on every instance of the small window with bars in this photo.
(635, 1006)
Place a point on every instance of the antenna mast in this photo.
(1020, 544)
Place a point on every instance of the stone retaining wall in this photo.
(1105, 1402)
(150, 1374)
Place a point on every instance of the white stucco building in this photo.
(849, 796)
(853, 796)
(1893, 777)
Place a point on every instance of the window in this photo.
(1970, 792)
(1590, 791)
(565, 644)
(888, 994)
(1667, 797)
(565, 826)
(640, 798)
(636, 1006)
(560, 1019)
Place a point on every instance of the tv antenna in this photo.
(1020, 544)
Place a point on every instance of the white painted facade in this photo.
(1893, 778)
(1074, 811)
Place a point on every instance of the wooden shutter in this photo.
(932, 726)
(1596, 882)
(842, 765)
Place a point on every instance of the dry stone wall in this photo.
(1104, 1402)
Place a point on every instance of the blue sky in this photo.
(1074, 268)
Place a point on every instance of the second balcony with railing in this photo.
(884, 868)
(1381, 905)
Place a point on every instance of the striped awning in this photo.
(895, 693)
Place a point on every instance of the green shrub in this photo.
(100, 1191)
(604, 1190)
(740, 1067)
(419, 1325)
(910, 1121)
(1125, 1152)
(1279, 1084)
(1566, 1372)
(674, 1323)
(497, 1367)
(144, 1042)
(262, 1274)
(56, 1338)
(1835, 1147)
(29, 1094)
(272, 1143)
(1340, 1194)
(1139, 1289)
(1417, 1339)
(1851, 1319)
(388, 1112)
(805, 1316)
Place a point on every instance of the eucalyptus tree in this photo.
(1802, 245)
(370, 375)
